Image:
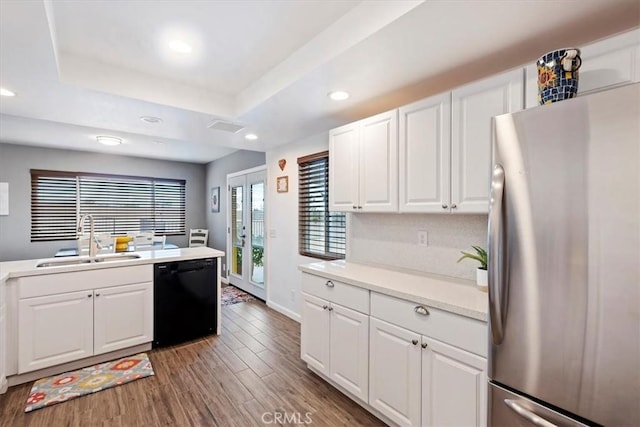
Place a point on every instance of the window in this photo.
(321, 233)
(118, 204)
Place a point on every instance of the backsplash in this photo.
(392, 240)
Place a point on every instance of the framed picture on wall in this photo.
(283, 184)
(215, 199)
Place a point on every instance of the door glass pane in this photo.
(257, 233)
(237, 230)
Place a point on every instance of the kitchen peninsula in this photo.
(63, 314)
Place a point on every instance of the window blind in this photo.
(321, 234)
(118, 204)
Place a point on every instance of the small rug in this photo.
(61, 388)
(232, 295)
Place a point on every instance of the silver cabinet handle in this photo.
(495, 250)
(330, 284)
(424, 345)
(421, 309)
(444, 206)
(414, 342)
(528, 415)
(324, 307)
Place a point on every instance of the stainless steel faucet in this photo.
(94, 246)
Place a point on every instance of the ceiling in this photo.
(87, 68)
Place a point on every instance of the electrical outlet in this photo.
(423, 238)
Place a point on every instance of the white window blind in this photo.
(321, 234)
(118, 204)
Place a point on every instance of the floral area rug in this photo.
(61, 388)
(232, 295)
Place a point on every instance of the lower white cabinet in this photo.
(60, 328)
(419, 381)
(335, 341)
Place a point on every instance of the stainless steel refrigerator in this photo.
(564, 263)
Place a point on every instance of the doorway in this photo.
(246, 230)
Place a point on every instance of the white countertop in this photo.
(449, 294)
(10, 269)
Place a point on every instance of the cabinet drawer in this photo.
(57, 283)
(338, 292)
(460, 331)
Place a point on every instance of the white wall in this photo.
(392, 240)
(282, 259)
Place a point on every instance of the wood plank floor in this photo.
(252, 368)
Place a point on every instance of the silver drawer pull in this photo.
(421, 309)
(528, 415)
(330, 284)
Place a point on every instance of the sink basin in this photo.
(85, 260)
(116, 257)
(61, 262)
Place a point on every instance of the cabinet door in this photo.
(344, 168)
(379, 163)
(54, 329)
(123, 317)
(394, 372)
(454, 386)
(349, 344)
(425, 154)
(3, 339)
(473, 106)
(314, 333)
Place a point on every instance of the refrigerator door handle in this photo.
(496, 256)
(536, 420)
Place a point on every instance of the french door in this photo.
(245, 231)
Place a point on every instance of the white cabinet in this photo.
(334, 340)
(3, 338)
(54, 329)
(123, 317)
(605, 64)
(445, 145)
(394, 373)
(427, 366)
(88, 313)
(472, 107)
(425, 155)
(454, 384)
(60, 328)
(363, 165)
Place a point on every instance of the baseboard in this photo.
(357, 400)
(224, 280)
(76, 364)
(280, 309)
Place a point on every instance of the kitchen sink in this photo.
(85, 260)
(116, 257)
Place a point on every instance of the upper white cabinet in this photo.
(605, 64)
(472, 107)
(425, 155)
(363, 165)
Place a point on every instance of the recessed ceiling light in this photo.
(151, 119)
(180, 46)
(109, 140)
(251, 136)
(338, 95)
(6, 92)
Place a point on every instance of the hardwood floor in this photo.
(252, 368)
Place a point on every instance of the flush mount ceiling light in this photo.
(151, 119)
(109, 140)
(180, 46)
(338, 95)
(251, 136)
(6, 92)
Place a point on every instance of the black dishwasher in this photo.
(185, 301)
